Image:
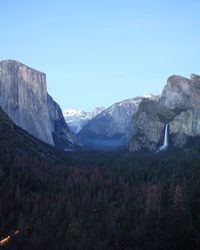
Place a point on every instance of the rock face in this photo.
(63, 137)
(179, 106)
(110, 128)
(184, 125)
(23, 96)
(16, 140)
(181, 92)
(76, 119)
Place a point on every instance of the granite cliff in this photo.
(24, 97)
(178, 106)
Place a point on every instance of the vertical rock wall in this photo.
(24, 97)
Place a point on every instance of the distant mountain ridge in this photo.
(76, 118)
(110, 129)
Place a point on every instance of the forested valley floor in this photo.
(100, 201)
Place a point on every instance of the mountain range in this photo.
(76, 118)
(110, 128)
(138, 123)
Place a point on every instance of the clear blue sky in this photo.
(98, 52)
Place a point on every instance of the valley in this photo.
(99, 125)
(129, 179)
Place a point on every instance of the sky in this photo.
(98, 52)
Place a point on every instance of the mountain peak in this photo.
(77, 118)
(148, 95)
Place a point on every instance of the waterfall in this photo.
(165, 142)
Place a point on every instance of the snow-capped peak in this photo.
(77, 118)
(148, 95)
(73, 112)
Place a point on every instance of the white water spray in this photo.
(165, 143)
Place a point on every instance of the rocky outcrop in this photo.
(179, 106)
(181, 92)
(110, 128)
(148, 125)
(23, 96)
